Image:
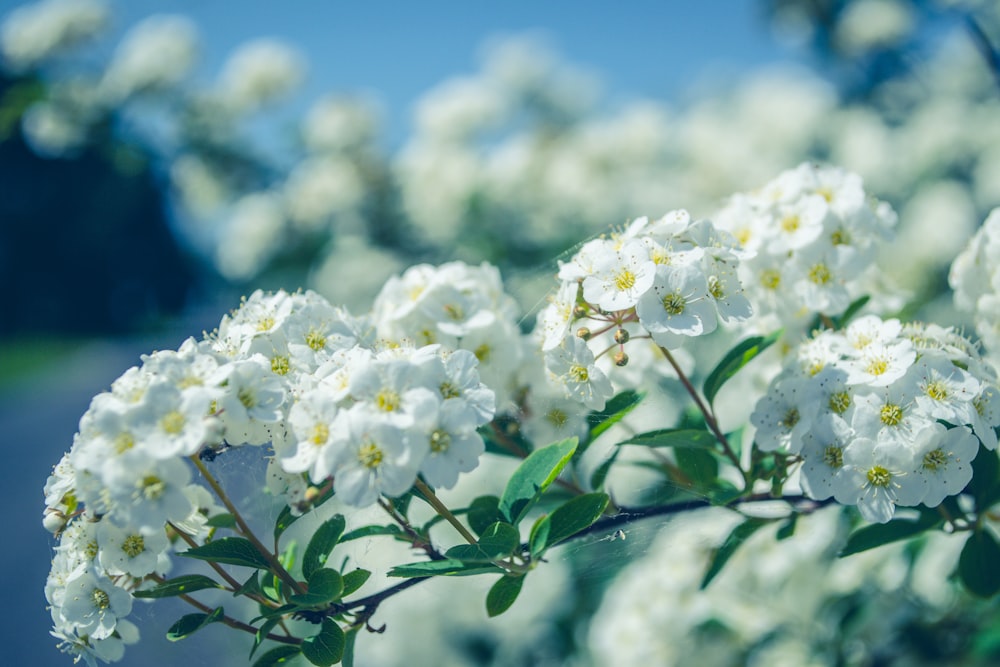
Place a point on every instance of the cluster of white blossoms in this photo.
(334, 398)
(882, 414)
(666, 280)
(975, 279)
(814, 234)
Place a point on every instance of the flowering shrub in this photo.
(388, 408)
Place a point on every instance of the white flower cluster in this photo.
(334, 398)
(814, 233)
(882, 414)
(666, 280)
(975, 279)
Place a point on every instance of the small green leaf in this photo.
(500, 539)
(735, 359)
(188, 583)
(250, 587)
(985, 483)
(354, 580)
(229, 550)
(726, 550)
(262, 633)
(844, 319)
(483, 513)
(502, 594)
(538, 539)
(614, 411)
(277, 656)
(327, 647)
(284, 520)
(977, 564)
(575, 515)
(224, 520)
(673, 437)
(352, 636)
(370, 531)
(191, 623)
(448, 566)
(322, 543)
(787, 529)
(877, 534)
(601, 473)
(324, 586)
(699, 466)
(532, 477)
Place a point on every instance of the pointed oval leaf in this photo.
(502, 594)
(977, 564)
(735, 359)
(224, 520)
(673, 437)
(538, 540)
(188, 583)
(877, 534)
(533, 476)
(614, 411)
(277, 656)
(370, 531)
(483, 513)
(262, 633)
(354, 580)
(229, 550)
(500, 539)
(573, 516)
(601, 473)
(327, 647)
(726, 550)
(191, 623)
(324, 586)
(322, 543)
(448, 566)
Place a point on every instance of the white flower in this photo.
(253, 400)
(944, 465)
(260, 72)
(313, 420)
(678, 303)
(454, 447)
(157, 52)
(571, 365)
(131, 551)
(620, 277)
(93, 604)
(876, 471)
(786, 413)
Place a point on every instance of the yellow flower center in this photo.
(820, 274)
(265, 323)
(674, 303)
(839, 402)
(879, 476)
(280, 365)
(315, 340)
(937, 390)
(833, 456)
(448, 390)
(124, 442)
(624, 280)
(935, 459)
(320, 434)
(387, 400)
(790, 419)
(557, 417)
(579, 373)
(877, 366)
(172, 423)
(133, 545)
(440, 441)
(246, 397)
(891, 415)
(370, 455)
(770, 279)
(790, 224)
(100, 599)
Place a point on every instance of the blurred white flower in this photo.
(260, 72)
(156, 53)
(31, 33)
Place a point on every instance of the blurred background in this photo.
(160, 158)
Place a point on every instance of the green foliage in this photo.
(502, 594)
(532, 477)
(179, 586)
(191, 623)
(284, 520)
(600, 474)
(278, 656)
(734, 360)
(985, 484)
(323, 586)
(448, 566)
(354, 580)
(322, 543)
(229, 550)
(978, 564)
(224, 520)
(483, 513)
(877, 534)
(614, 411)
(262, 633)
(327, 647)
(672, 437)
(737, 537)
(370, 531)
(573, 516)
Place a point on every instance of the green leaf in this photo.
(877, 534)
(699, 466)
(673, 437)
(735, 359)
(500, 539)
(191, 623)
(352, 636)
(538, 539)
(324, 586)
(223, 520)
(179, 586)
(229, 550)
(502, 594)
(575, 515)
(262, 633)
(852, 310)
(601, 473)
(977, 564)
(614, 411)
(985, 483)
(483, 513)
(322, 543)
(370, 531)
(327, 647)
(787, 529)
(532, 477)
(354, 580)
(726, 550)
(250, 587)
(284, 520)
(277, 656)
(448, 566)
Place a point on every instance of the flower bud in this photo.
(583, 332)
(621, 336)
(621, 359)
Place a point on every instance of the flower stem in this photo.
(441, 509)
(272, 560)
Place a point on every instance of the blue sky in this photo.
(398, 50)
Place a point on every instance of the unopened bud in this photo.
(583, 332)
(579, 311)
(54, 521)
(621, 336)
(311, 495)
(621, 358)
